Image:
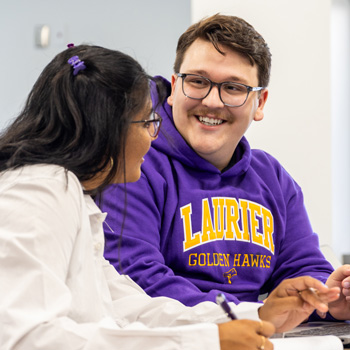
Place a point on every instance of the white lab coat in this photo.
(58, 292)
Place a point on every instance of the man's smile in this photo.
(210, 121)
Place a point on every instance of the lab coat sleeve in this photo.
(132, 304)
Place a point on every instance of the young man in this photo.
(209, 214)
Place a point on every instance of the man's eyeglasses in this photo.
(152, 125)
(231, 94)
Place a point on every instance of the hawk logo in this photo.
(229, 274)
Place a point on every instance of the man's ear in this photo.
(173, 84)
(259, 114)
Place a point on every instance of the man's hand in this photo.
(340, 309)
(245, 335)
(294, 300)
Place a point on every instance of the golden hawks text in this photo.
(229, 260)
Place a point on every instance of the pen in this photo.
(221, 300)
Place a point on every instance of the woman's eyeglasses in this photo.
(152, 125)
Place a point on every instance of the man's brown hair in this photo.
(230, 32)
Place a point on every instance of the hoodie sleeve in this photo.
(297, 246)
(299, 252)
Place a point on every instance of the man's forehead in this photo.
(228, 65)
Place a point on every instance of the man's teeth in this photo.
(210, 121)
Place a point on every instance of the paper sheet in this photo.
(326, 342)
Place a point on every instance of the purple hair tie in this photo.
(76, 64)
(70, 45)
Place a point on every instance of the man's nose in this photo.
(213, 99)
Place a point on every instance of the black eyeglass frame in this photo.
(147, 122)
(249, 88)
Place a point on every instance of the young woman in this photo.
(87, 123)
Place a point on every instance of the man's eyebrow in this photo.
(233, 78)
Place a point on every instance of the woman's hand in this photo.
(246, 335)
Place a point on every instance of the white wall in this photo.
(297, 125)
(340, 83)
(147, 30)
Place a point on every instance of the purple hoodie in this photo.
(192, 231)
